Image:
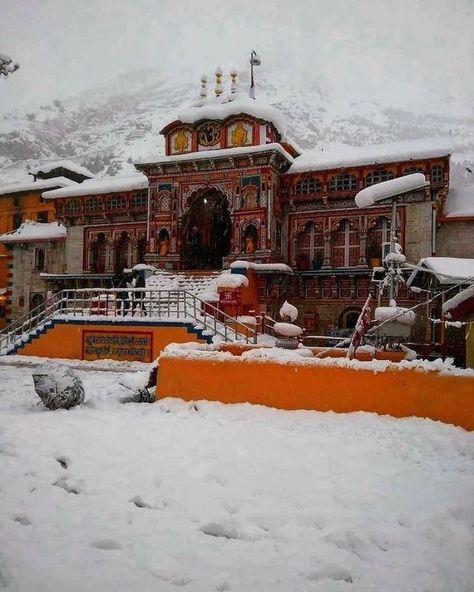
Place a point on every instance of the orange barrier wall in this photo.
(65, 340)
(396, 392)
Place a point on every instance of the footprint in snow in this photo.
(140, 503)
(106, 545)
(63, 461)
(68, 485)
(22, 519)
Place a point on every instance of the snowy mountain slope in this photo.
(108, 127)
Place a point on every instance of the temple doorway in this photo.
(206, 232)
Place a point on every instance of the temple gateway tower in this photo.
(214, 196)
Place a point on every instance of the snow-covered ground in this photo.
(116, 496)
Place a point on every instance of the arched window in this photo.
(311, 245)
(93, 205)
(308, 185)
(345, 245)
(250, 239)
(343, 183)
(122, 252)
(348, 318)
(437, 173)
(163, 242)
(98, 251)
(378, 177)
(39, 259)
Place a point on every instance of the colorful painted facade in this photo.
(233, 186)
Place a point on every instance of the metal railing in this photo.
(147, 304)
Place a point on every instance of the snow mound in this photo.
(405, 316)
(288, 310)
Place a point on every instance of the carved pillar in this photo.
(327, 247)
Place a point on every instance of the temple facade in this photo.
(233, 186)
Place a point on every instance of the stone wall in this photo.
(455, 239)
(75, 249)
(418, 231)
(27, 281)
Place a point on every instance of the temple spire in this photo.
(203, 93)
(219, 88)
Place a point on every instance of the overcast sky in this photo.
(403, 49)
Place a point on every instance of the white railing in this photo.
(147, 304)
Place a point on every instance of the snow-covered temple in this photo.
(233, 186)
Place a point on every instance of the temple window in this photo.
(93, 205)
(343, 183)
(378, 177)
(116, 202)
(411, 170)
(345, 246)
(437, 173)
(308, 186)
(311, 245)
(39, 259)
(73, 206)
(250, 239)
(139, 201)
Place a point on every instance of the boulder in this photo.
(58, 387)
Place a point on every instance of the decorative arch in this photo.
(348, 318)
(193, 192)
(163, 238)
(249, 196)
(249, 233)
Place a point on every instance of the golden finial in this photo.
(219, 88)
(203, 93)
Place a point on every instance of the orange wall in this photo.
(400, 393)
(65, 340)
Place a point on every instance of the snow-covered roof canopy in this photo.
(36, 185)
(368, 196)
(98, 186)
(450, 270)
(272, 267)
(458, 299)
(231, 104)
(31, 231)
(460, 202)
(225, 152)
(65, 164)
(375, 154)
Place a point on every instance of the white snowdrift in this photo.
(210, 497)
(368, 196)
(232, 280)
(402, 315)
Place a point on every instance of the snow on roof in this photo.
(202, 154)
(66, 164)
(458, 299)
(378, 153)
(36, 185)
(35, 231)
(460, 202)
(98, 186)
(368, 196)
(228, 104)
(450, 270)
(261, 266)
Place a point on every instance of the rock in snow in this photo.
(58, 387)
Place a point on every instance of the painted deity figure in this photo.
(164, 247)
(181, 141)
(239, 135)
(250, 246)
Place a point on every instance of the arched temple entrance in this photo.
(206, 231)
